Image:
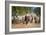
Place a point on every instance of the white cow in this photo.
(19, 17)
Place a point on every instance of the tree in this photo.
(37, 10)
(13, 10)
(16, 10)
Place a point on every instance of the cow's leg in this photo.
(26, 22)
(39, 21)
(31, 21)
(35, 21)
(22, 21)
(12, 21)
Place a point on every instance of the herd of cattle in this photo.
(25, 19)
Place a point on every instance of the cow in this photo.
(13, 19)
(31, 18)
(37, 19)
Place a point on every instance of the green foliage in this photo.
(20, 10)
(16, 10)
(37, 11)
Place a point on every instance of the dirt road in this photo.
(29, 25)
